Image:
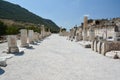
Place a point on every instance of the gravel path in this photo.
(56, 58)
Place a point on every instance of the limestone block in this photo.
(12, 44)
(3, 62)
(103, 48)
(24, 38)
(99, 47)
(78, 38)
(31, 36)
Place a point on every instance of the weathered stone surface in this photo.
(3, 62)
(36, 36)
(31, 36)
(85, 28)
(103, 48)
(91, 34)
(12, 44)
(95, 46)
(99, 47)
(78, 37)
(24, 38)
(42, 31)
(92, 45)
(85, 35)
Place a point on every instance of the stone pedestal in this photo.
(31, 36)
(24, 38)
(12, 44)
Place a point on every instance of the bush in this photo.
(12, 30)
(2, 28)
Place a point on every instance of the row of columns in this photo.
(26, 38)
(100, 46)
(85, 34)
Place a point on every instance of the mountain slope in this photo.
(17, 13)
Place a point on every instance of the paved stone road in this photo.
(56, 58)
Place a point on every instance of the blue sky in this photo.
(68, 13)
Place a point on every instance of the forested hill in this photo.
(17, 13)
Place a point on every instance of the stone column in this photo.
(12, 44)
(99, 47)
(36, 36)
(92, 45)
(49, 32)
(24, 38)
(85, 28)
(103, 49)
(78, 35)
(91, 34)
(60, 32)
(42, 31)
(31, 36)
(40, 37)
(95, 46)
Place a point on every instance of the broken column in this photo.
(99, 47)
(91, 34)
(31, 36)
(24, 38)
(42, 31)
(92, 45)
(49, 32)
(95, 45)
(12, 44)
(36, 36)
(85, 28)
(79, 34)
(60, 33)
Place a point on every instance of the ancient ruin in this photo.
(24, 38)
(12, 44)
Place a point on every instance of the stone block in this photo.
(12, 44)
(95, 46)
(24, 38)
(99, 47)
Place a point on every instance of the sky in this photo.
(68, 13)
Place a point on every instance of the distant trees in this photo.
(64, 29)
(11, 30)
(2, 28)
(8, 30)
(35, 29)
(17, 13)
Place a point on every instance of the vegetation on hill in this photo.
(17, 13)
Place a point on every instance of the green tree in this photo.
(2, 28)
(35, 29)
(12, 30)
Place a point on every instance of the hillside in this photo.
(17, 13)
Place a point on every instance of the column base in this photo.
(13, 50)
